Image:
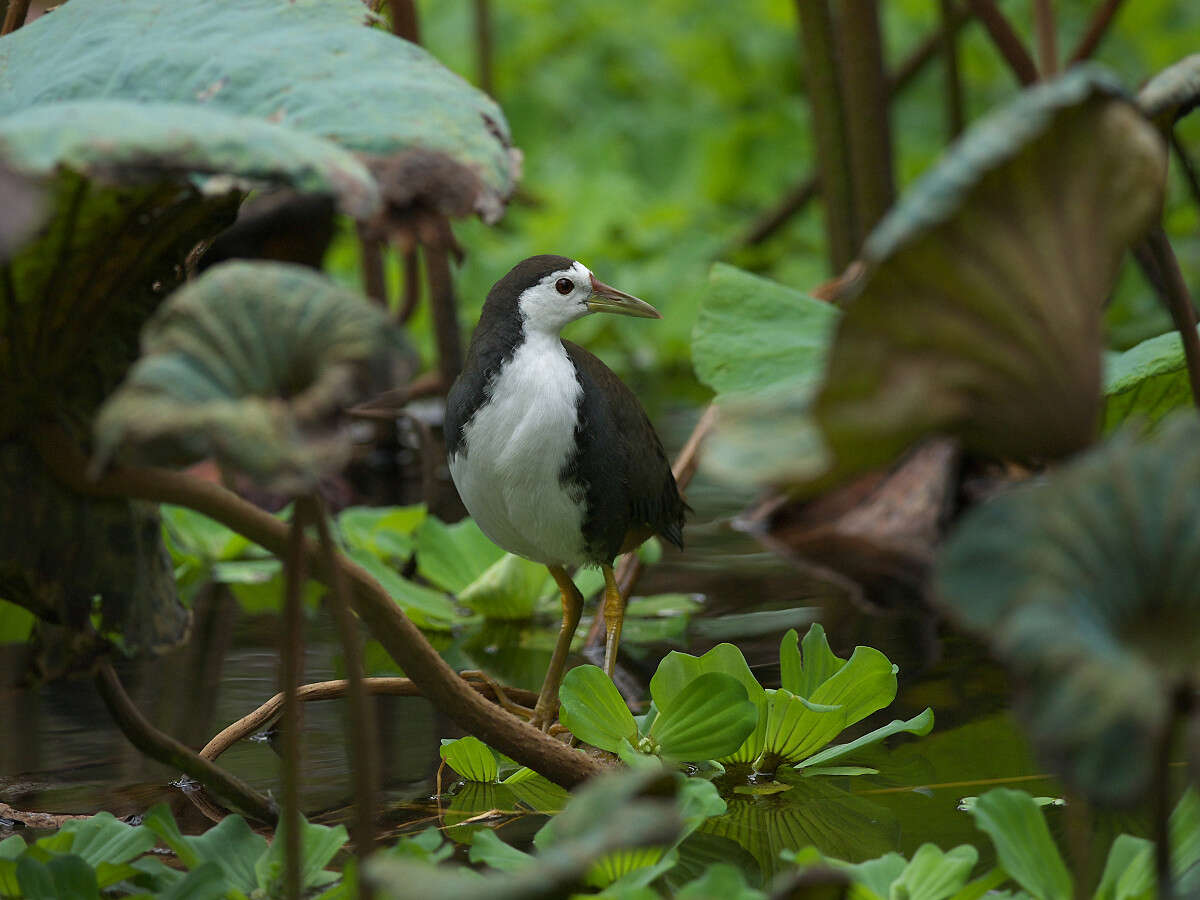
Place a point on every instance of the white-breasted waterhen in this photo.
(551, 453)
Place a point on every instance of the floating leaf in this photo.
(508, 589)
(1089, 573)
(428, 609)
(471, 758)
(251, 364)
(593, 709)
(710, 718)
(979, 311)
(1146, 382)
(1023, 844)
(386, 531)
(453, 556)
(796, 728)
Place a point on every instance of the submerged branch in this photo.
(386, 621)
(162, 747)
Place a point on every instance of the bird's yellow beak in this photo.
(605, 298)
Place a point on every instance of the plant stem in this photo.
(483, 47)
(14, 16)
(1164, 268)
(444, 308)
(166, 749)
(1097, 28)
(371, 254)
(291, 671)
(386, 621)
(1047, 44)
(955, 115)
(1180, 705)
(363, 732)
(412, 286)
(864, 94)
(404, 20)
(1186, 167)
(829, 128)
(1012, 51)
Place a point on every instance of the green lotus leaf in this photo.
(1146, 382)
(710, 718)
(307, 69)
(761, 346)
(593, 709)
(1086, 575)
(1173, 92)
(979, 311)
(1023, 844)
(251, 364)
(471, 758)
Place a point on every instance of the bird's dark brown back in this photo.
(620, 465)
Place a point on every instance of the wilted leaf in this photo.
(1087, 574)
(979, 311)
(251, 364)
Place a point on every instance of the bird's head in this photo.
(552, 291)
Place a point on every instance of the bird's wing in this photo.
(623, 452)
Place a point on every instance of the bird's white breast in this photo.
(517, 444)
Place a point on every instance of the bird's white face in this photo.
(558, 299)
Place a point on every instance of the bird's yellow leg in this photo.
(614, 617)
(546, 709)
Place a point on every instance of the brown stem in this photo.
(291, 671)
(14, 16)
(363, 746)
(386, 621)
(445, 312)
(865, 110)
(1097, 28)
(371, 253)
(829, 128)
(1186, 166)
(404, 20)
(483, 46)
(427, 448)
(412, 286)
(390, 686)
(955, 113)
(1012, 51)
(1047, 42)
(1181, 703)
(166, 749)
(1157, 259)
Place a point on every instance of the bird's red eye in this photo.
(564, 285)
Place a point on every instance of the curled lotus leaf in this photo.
(1172, 93)
(1085, 585)
(252, 364)
(979, 310)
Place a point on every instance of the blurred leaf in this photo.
(427, 608)
(1146, 382)
(453, 556)
(710, 718)
(1088, 573)
(258, 585)
(1023, 844)
(16, 623)
(593, 709)
(508, 589)
(230, 845)
(103, 838)
(386, 531)
(720, 880)
(196, 533)
(22, 213)
(489, 849)
(471, 758)
(979, 311)
(934, 875)
(318, 845)
(61, 876)
(251, 364)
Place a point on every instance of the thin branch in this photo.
(1012, 51)
(1047, 43)
(363, 732)
(1097, 28)
(829, 129)
(955, 109)
(291, 670)
(412, 286)
(14, 17)
(383, 686)
(386, 621)
(1158, 262)
(484, 47)
(1186, 166)
(164, 748)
